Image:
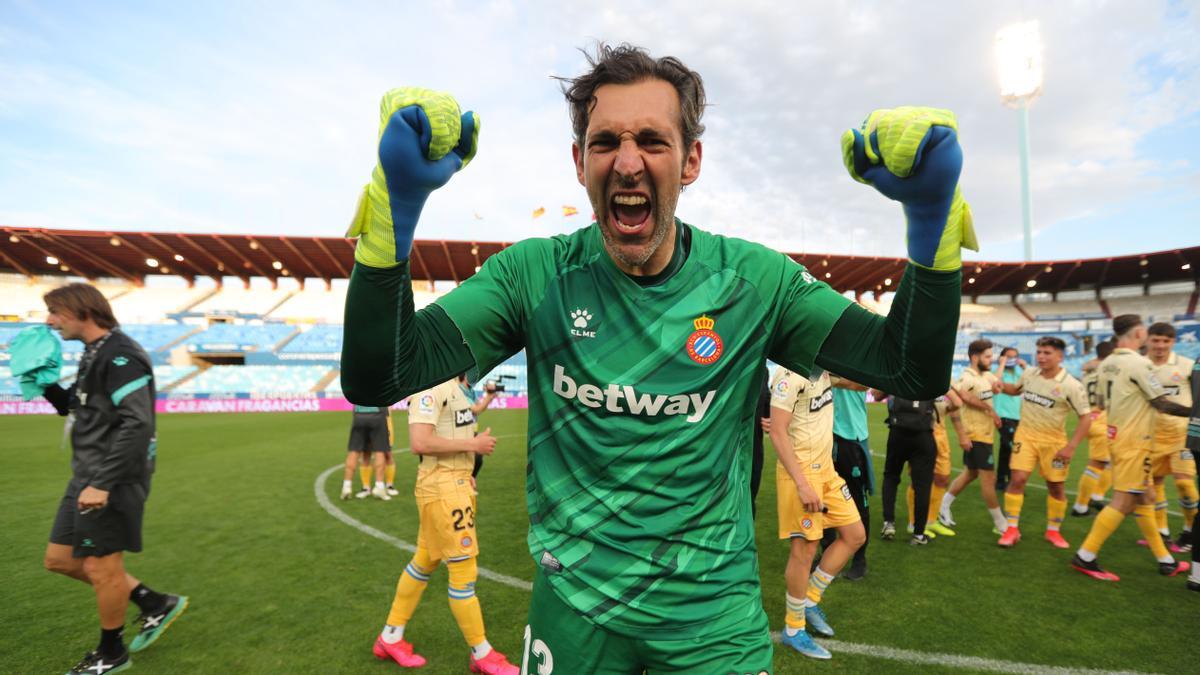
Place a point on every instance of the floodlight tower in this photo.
(1019, 57)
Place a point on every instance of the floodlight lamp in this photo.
(1019, 59)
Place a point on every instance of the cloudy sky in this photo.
(260, 117)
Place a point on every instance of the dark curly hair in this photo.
(627, 64)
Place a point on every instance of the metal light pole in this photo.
(1019, 57)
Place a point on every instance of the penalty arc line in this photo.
(876, 651)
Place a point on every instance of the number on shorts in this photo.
(467, 514)
(542, 657)
(1016, 447)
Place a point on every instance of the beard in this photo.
(635, 254)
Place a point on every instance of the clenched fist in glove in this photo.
(912, 155)
(423, 140)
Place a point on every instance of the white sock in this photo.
(947, 500)
(481, 650)
(378, 485)
(791, 632)
(1097, 497)
(1085, 555)
(346, 485)
(1051, 527)
(392, 634)
(1195, 576)
(1165, 532)
(1079, 509)
(999, 519)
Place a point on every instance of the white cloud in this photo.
(264, 120)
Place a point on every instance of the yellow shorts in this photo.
(1182, 463)
(447, 512)
(1164, 453)
(941, 466)
(1131, 468)
(795, 521)
(1029, 453)
(1098, 438)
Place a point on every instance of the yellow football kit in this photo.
(1098, 432)
(980, 427)
(444, 490)
(811, 431)
(941, 466)
(1043, 429)
(1170, 432)
(1126, 386)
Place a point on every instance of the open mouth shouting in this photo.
(631, 213)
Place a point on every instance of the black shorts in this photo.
(979, 457)
(369, 435)
(116, 527)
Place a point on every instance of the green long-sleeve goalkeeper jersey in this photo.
(642, 400)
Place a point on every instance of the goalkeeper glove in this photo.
(912, 155)
(423, 141)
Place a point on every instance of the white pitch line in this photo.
(333, 510)
(958, 660)
(876, 651)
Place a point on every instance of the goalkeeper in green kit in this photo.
(645, 338)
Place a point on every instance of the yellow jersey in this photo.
(1126, 386)
(979, 423)
(811, 425)
(1175, 376)
(1044, 404)
(448, 409)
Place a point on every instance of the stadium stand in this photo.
(320, 339)
(290, 334)
(1162, 304)
(1042, 307)
(235, 300)
(165, 377)
(22, 297)
(155, 337)
(993, 313)
(228, 337)
(315, 304)
(150, 304)
(255, 379)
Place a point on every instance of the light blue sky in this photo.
(261, 117)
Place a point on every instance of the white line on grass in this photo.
(333, 510)
(957, 660)
(876, 651)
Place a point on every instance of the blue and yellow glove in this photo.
(423, 140)
(912, 155)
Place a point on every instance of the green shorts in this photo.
(559, 641)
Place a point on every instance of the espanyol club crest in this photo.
(704, 345)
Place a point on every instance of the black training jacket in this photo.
(113, 436)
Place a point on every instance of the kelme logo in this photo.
(120, 361)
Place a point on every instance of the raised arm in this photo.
(390, 351)
(910, 155)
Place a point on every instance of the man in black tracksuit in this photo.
(910, 439)
(112, 427)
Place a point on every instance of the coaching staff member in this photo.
(111, 408)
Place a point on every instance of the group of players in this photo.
(1131, 407)
(638, 476)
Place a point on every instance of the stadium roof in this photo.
(129, 255)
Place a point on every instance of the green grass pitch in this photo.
(278, 585)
